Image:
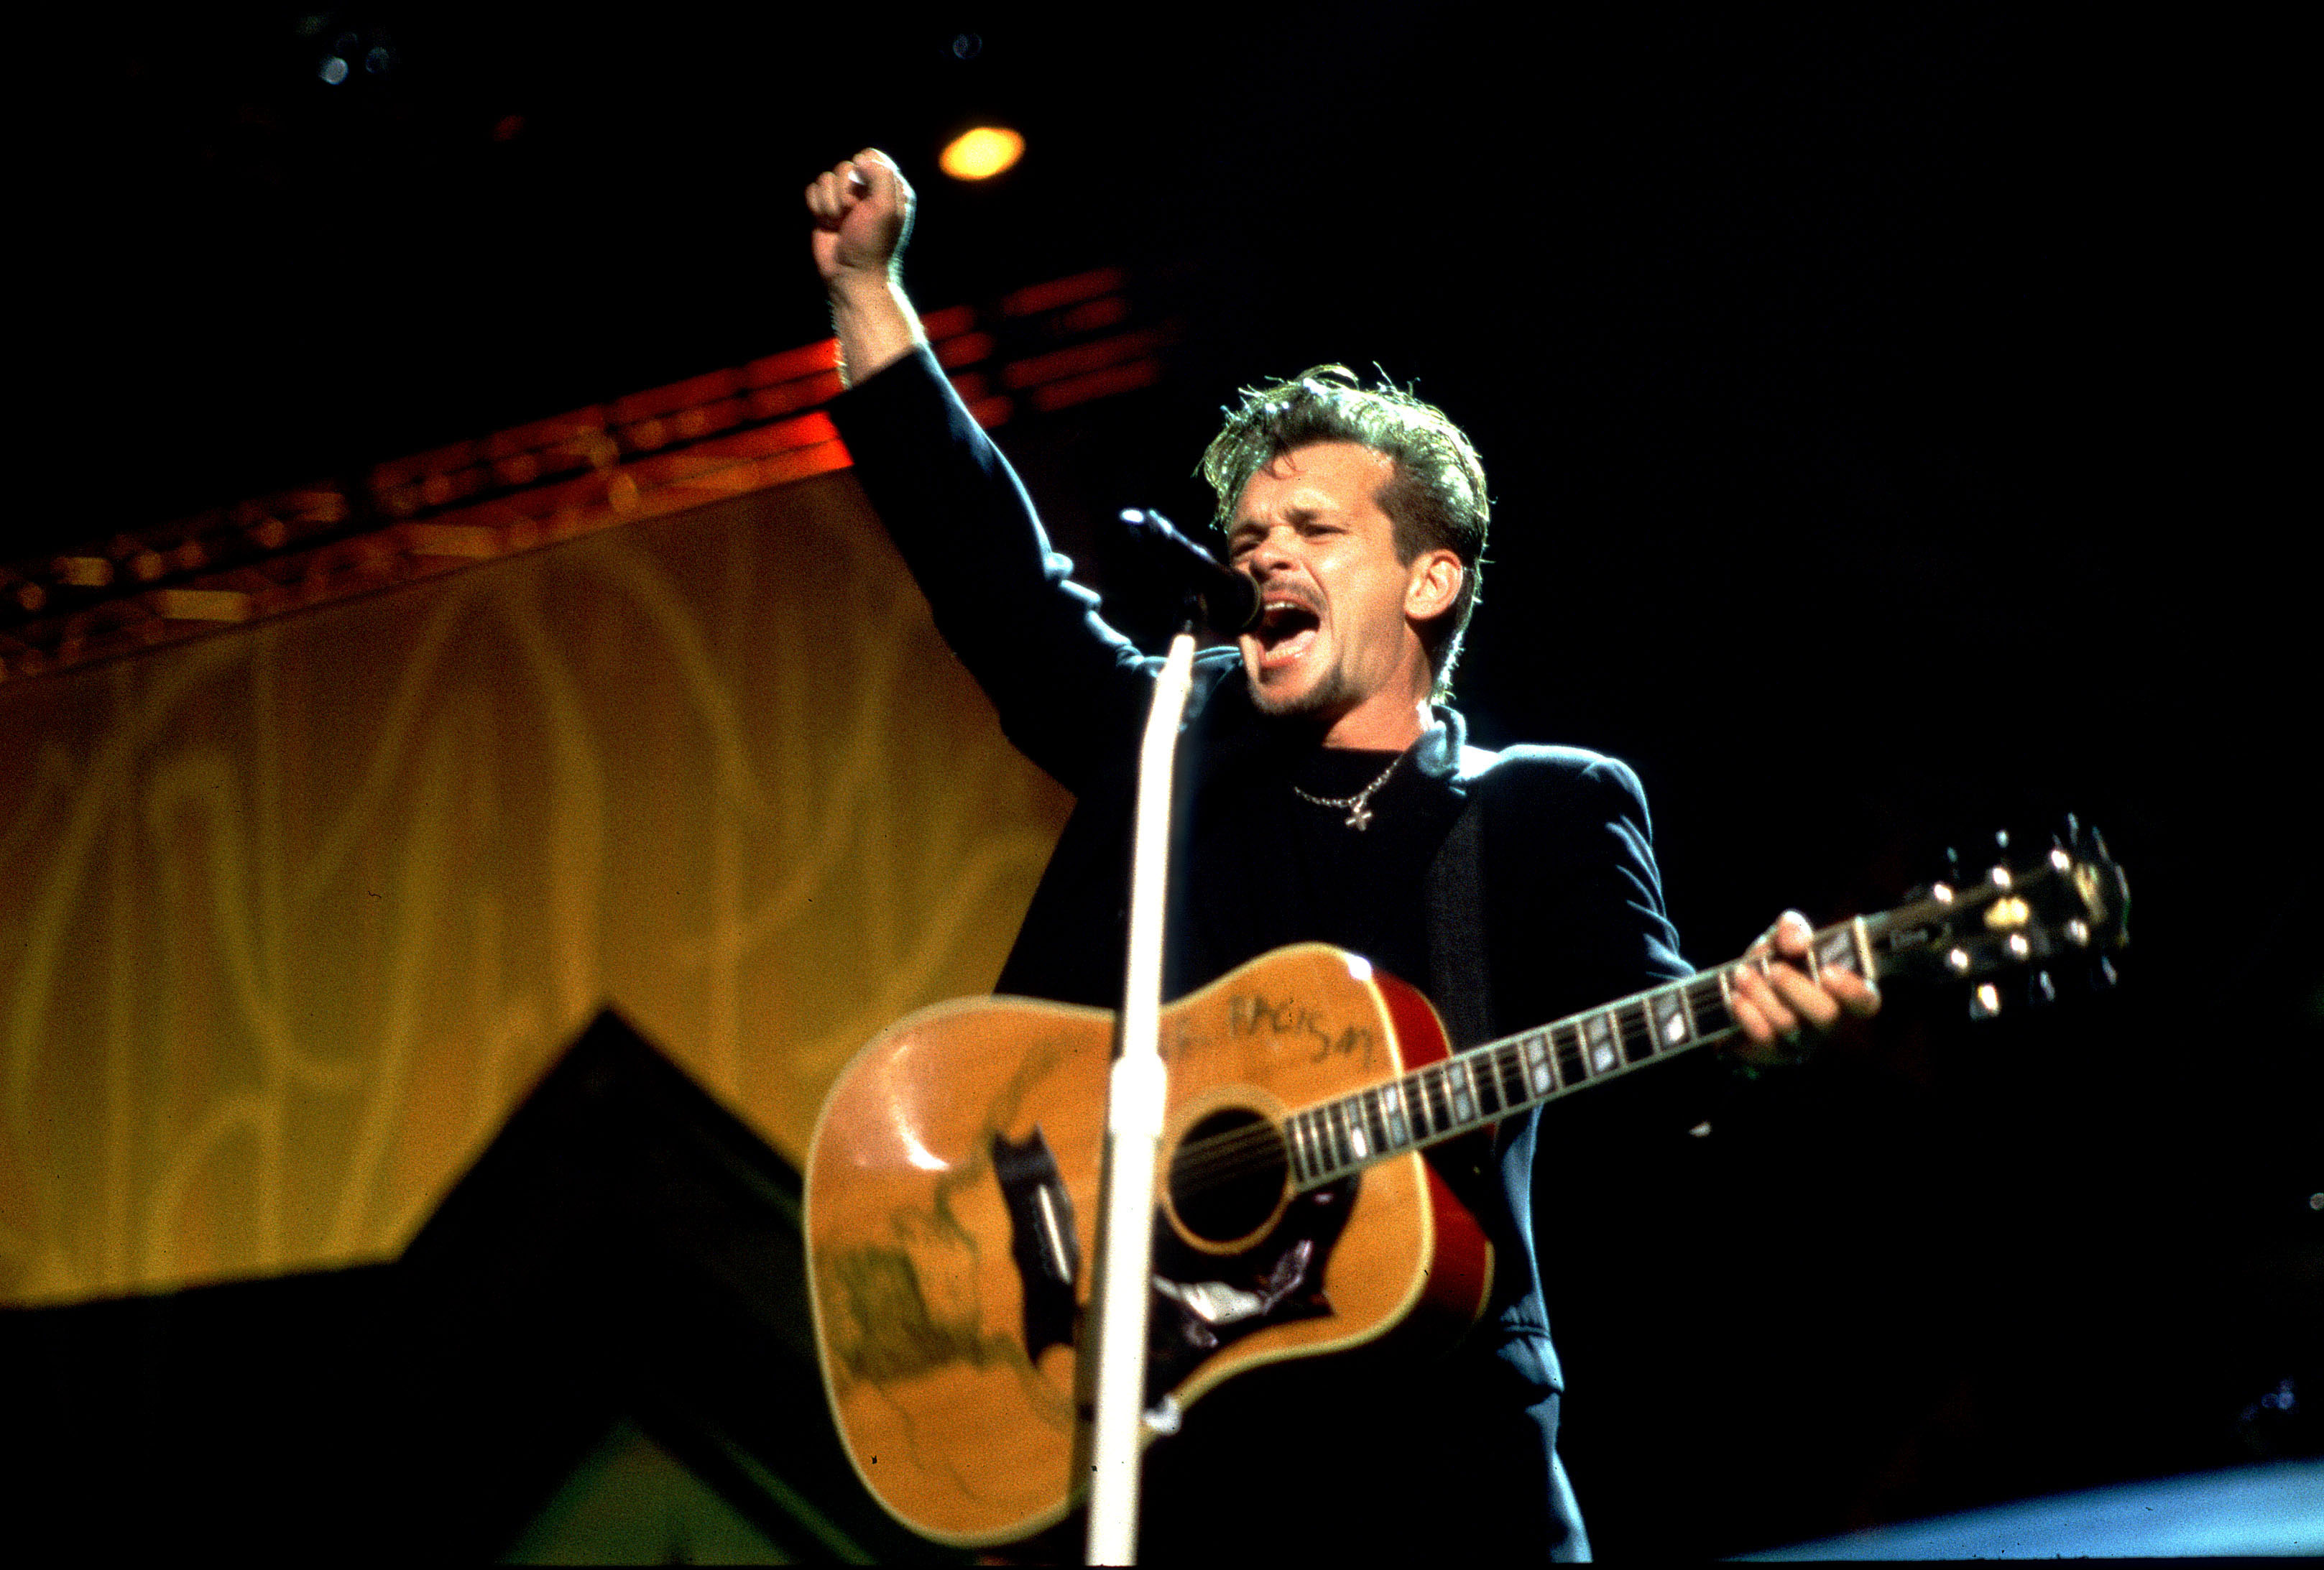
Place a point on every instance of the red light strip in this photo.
(667, 449)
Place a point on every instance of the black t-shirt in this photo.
(1266, 868)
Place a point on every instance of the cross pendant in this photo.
(1360, 817)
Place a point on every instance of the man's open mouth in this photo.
(1286, 628)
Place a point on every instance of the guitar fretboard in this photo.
(1517, 1073)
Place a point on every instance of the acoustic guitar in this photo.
(952, 1183)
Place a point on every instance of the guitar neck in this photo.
(1481, 1086)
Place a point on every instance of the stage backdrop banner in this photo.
(293, 915)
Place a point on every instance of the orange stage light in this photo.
(982, 153)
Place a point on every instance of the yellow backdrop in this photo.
(293, 915)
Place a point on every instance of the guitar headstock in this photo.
(2038, 917)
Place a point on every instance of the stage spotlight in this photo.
(982, 153)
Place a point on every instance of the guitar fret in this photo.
(1431, 1091)
(1501, 1083)
(1570, 1069)
(1672, 1028)
(1336, 1119)
(1480, 1084)
(1311, 1133)
(1728, 1000)
(1416, 1107)
(1711, 1013)
(1369, 1105)
(1637, 1032)
(1540, 1079)
(1601, 1043)
(1456, 1087)
(1516, 1077)
(1392, 1107)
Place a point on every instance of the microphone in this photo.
(1230, 599)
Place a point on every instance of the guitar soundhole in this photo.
(1227, 1178)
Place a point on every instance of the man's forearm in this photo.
(875, 324)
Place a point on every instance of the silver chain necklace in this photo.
(1358, 815)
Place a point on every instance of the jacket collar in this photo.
(1234, 730)
(1437, 752)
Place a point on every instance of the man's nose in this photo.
(1270, 556)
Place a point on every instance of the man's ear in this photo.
(1433, 584)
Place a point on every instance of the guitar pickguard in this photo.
(1204, 1302)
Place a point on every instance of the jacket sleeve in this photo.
(1582, 922)
(1576, 899)
(1069, 688)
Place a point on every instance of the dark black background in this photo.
(1887, 424)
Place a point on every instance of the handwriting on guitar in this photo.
(1254, 1013)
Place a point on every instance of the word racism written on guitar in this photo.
(952, 1183)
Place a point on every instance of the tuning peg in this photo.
(2103, 975)
(2039, 989)
(1984, 1002)
(1952, 867)
(2083, 839)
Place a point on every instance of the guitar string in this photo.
(1258, 1147)
(1250, 1151)
(1255, 1149)
(1266, 1145)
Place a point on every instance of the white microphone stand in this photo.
(1122, 1287)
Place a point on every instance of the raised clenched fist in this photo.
(862, 213)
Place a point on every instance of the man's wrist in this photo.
(874, 321)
